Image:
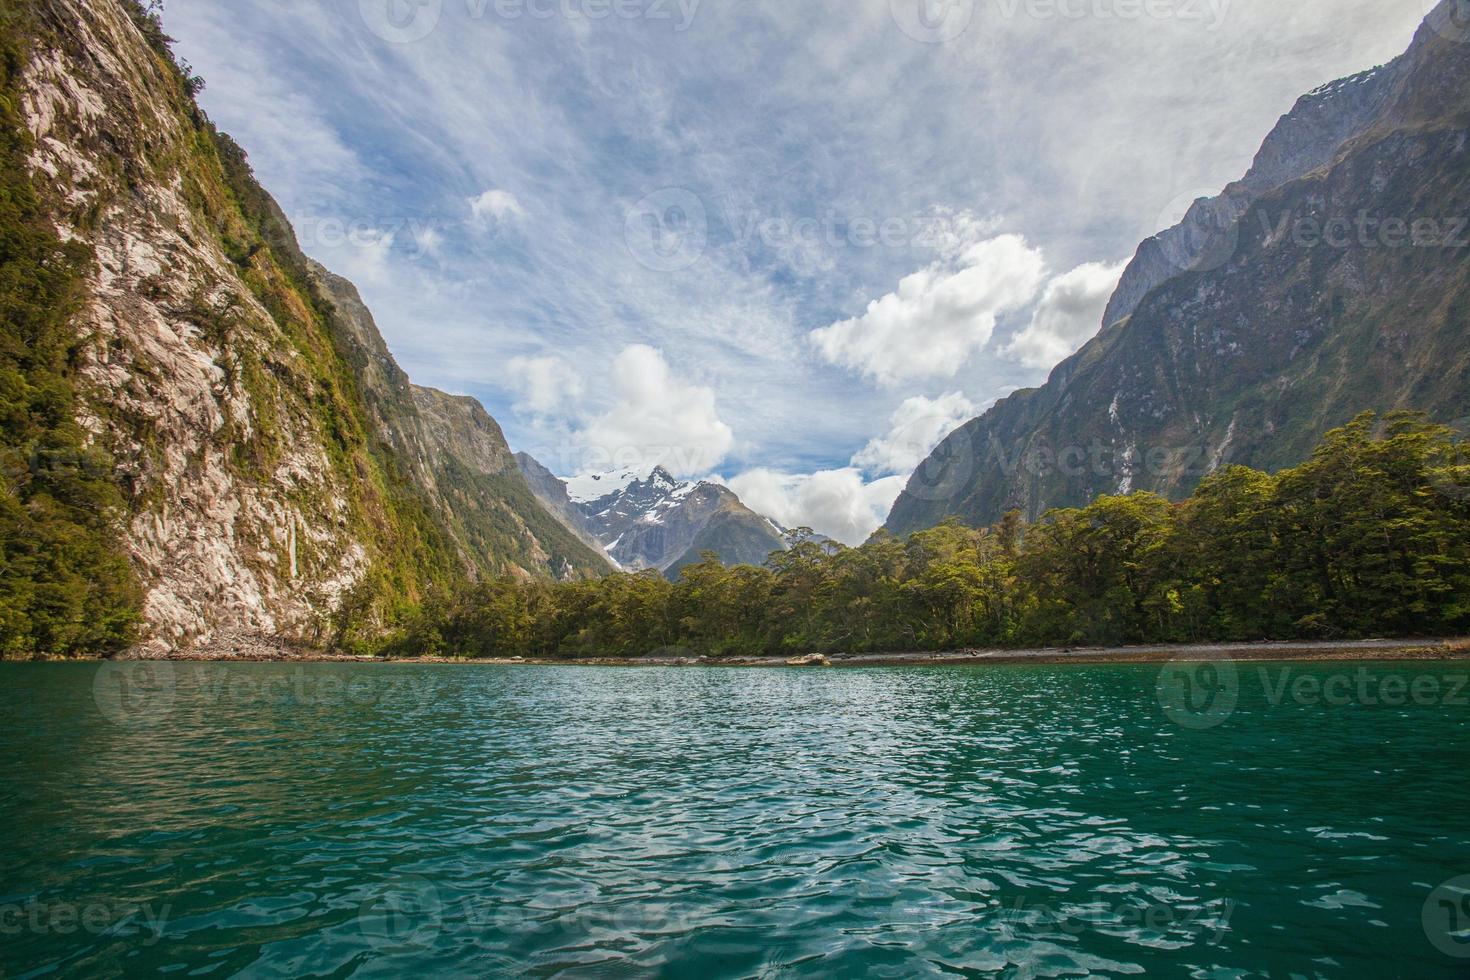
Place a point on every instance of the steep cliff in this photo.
(274, 470)
(1342, 289)
(456, 457)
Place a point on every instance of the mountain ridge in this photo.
(648, 519)
(1279, 330)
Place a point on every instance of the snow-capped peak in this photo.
(594, 486)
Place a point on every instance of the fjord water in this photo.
(281, 820)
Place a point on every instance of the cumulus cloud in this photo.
(837, 503)
(842, 503)
(657, 419)
(916, 428)
(939, 316)
(543, 384)
(1085, 177)
(495, 206)
(1069, 315)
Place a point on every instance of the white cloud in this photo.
(544, 384)
(841, 503)
(658, 419)
(917, 427)
(837, 503)
(1069, 314)
(939, 316)
(427, 240)
(587, 124)
(365, 260)
(496, 205)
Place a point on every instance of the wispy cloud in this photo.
(771, 144)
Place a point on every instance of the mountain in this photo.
(456, 457)
(551, 491)
(1331, 280)
(206, 429)
(648, 519)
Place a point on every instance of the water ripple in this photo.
(1030, 822)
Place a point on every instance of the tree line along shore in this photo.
(1370, 537)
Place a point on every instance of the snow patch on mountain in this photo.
(592, 487)
(647, 519)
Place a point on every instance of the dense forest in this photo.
(1371, 536)
(65, 583)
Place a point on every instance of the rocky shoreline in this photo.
(240, 647)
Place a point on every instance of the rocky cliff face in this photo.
(1306, 138)
(456, 456)
(1344, 287)
(277, 467)
(653, 521)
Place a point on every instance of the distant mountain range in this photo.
(647, 519)
(1332, 279)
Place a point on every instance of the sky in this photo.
(787, 244)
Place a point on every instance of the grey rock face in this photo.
(552, 493)
(1306, 138)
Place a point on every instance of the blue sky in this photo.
(788, 243)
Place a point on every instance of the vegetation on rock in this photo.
(65, 584)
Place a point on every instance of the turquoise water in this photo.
(274, 820)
